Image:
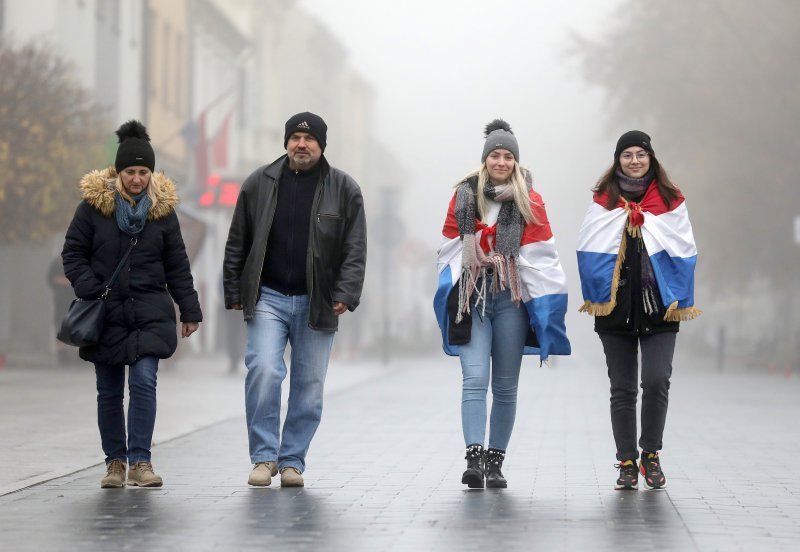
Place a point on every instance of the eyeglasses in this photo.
(639, 155)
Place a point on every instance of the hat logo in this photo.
(303, 125)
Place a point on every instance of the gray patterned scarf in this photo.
(132, 218)
(507, 236)
(634, 186)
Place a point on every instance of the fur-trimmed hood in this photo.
(98, 189)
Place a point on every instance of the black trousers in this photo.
(622, 359)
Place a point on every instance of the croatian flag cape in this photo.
(668, 239)
(543, 281)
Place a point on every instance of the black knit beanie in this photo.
(633, 138)
(134, 147)
(307, 122)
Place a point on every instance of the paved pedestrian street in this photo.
(384, 473)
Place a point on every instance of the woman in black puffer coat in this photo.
(126, 204)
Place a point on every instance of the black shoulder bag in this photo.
(83, 324)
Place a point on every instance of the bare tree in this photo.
(49, 136)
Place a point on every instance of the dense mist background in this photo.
(406, 89)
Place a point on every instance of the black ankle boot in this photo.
(473, 475)
(494, 476)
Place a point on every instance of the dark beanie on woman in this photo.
(307, 122)
(633, 138)
(134, 147)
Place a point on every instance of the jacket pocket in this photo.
(330, 233)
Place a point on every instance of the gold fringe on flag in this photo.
(674, 314)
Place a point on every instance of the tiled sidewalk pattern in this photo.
(384, 474)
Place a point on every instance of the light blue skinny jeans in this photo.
(494, 353)
(280, 319)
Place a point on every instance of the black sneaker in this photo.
(650, 467)
(628, 479)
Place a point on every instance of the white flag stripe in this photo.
(540, 271)
(670, 231)
(594, 236)
(450, 254)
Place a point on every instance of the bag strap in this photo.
(134, 241)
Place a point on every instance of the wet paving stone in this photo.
(384, 474)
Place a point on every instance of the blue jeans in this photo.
(141, 409)
(498, 336)
(280, 319)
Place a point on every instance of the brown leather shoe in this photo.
(290, 477)
(262, 473)
(115, 475)
(141, 475)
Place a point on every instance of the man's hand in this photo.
(188, 328)
(236, 306)
(339, 307)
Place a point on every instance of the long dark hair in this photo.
(608, 184)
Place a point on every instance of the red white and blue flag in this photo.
(543, 281)
(668, 239)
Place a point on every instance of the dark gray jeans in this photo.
(622, 359)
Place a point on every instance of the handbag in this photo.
(85, 319)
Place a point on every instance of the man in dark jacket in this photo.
(294, 262)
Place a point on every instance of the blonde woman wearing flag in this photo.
(502, 293)
(636, 257)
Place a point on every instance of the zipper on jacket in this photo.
(293, 208)
(264, 252)
(312, 238)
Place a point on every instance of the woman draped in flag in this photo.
(502, 293)
(636, 257)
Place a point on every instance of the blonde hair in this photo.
(518, 181)
(154, 191)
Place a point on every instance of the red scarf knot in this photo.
(488, 232)
(635, 215)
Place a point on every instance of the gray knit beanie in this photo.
(499, 136)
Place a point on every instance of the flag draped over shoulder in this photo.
(668, 239)
(543, 283)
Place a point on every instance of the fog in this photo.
(442, 70)
(428, 76)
